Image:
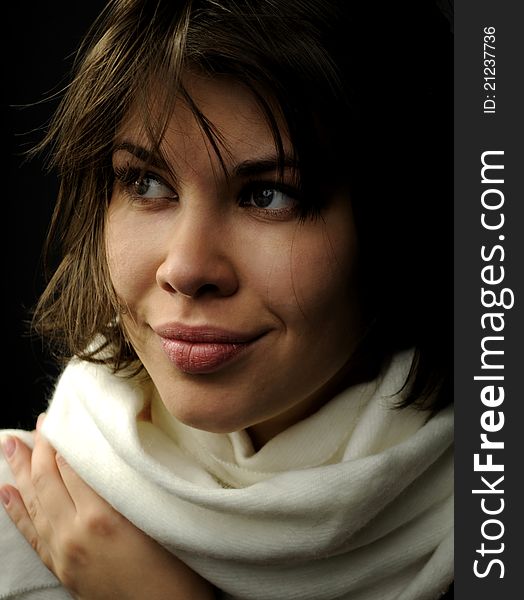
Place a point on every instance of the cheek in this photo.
(322, 272)
(130, 258)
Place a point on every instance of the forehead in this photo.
(238, 123)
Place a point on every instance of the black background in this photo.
(39, 40)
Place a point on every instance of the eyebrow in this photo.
(264, 165)
(245, 168)
(142, 154)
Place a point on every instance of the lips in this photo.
(197, 350)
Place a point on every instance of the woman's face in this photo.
(241, 313)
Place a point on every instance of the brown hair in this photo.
(324, 63)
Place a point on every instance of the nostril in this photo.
(197, 270)
(208, 288)
(195, 290)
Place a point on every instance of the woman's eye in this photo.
(270, 198)
(144, 186)
(149, 187)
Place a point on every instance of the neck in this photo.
(358, 369)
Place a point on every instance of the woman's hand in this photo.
(93, 550)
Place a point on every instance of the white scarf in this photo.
(353, 502)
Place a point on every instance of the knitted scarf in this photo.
(353, 502)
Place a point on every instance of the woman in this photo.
(250, 306)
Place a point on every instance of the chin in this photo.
(207, 415)
(209, 423)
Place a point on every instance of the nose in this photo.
(199, 258)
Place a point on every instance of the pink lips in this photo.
(202, 349)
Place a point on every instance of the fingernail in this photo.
(8, 446)
(5, 496)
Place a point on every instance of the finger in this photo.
(17, 512)
(52, 493)
(34, 483)
(18, 456)
(80, 494)
(84, 497)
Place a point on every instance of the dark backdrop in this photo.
(39, 39)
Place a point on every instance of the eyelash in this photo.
(131, 177)
(258, 185)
